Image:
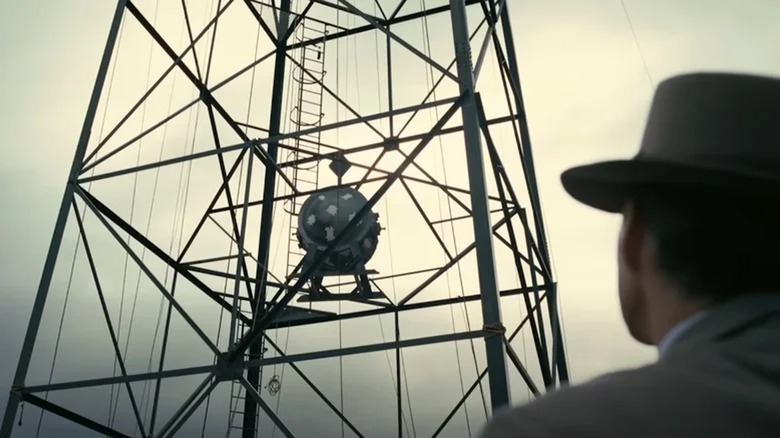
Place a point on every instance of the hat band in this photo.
(735, 163)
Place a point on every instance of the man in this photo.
(699, 272)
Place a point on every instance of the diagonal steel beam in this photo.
(443, 187)
(261, 325)
(463, 253)
(426, 219)
(261, 21)
(169, 162)
(503, 185)
(398, 39)
(183, 313)
(432, 91)
(107, 316)
(397, 9)
(206, 95)
(176, 60)
(335, 96)
(106, 212)
(488, 36)
(279, 137)
(252, 391)
(72, 416)
(338, 7)
(207, 214)
(314, 388)
(194, 407)
(193, 401)
(515, 359)
(480, 377)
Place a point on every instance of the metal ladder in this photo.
(306, 114)
(237, 391)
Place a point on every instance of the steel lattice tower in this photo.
(273, 132)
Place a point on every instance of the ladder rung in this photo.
(317, 89)
(310, 113)
(316, 102)
(314, 60)
(304, 102)
(314, 55)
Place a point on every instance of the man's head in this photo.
(698, 228)
(683, 249)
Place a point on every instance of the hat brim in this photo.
(608, 185)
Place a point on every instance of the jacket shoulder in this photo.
(611, 405)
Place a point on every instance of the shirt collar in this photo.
(711, 322)
(678, 330)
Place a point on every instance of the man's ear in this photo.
(631, 238)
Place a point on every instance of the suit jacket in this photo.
(721, 378)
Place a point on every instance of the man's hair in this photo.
(714, 245)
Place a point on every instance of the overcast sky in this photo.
(587, 84)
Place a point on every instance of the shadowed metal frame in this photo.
(475, 128)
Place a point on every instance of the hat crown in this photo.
(717, 118)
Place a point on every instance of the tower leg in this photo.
(59, 227)
(559, 357)
(266, 215)
(491, 308)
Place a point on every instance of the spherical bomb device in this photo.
(324, 216)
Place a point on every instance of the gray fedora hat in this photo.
(709, 130)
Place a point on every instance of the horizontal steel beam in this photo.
(119, 379)
(405, 307)
(391, 21)
(349, 351)
(257, 363)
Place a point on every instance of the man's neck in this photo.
(672, 309)
(678, 330)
